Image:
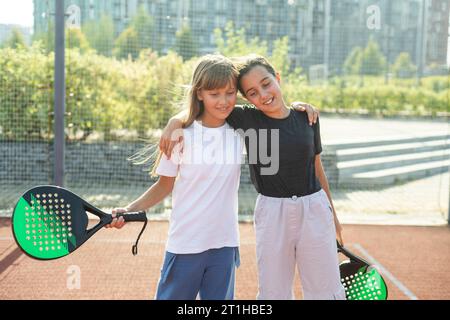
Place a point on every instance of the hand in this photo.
(117, 223)
(313, 113)
(339, 231)
(171, 135)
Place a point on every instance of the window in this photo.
(220, 5)
(320, 5)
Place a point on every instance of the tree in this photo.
(352, 64)
(403, 66)
(373, 61)
(15, 40)
(143, 24)
(100, 35)
(135, 38)
(234, 43)
(46, 38)
(127, 44)
(280, 56)
(185, 44)
(75, 38)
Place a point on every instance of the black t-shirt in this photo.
(293, 173)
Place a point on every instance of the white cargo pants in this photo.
(297, 231)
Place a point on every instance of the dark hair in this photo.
(246, 63)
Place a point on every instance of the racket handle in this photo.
(140, 216)
(134, 216)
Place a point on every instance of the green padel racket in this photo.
(50, 222)
(361, 280)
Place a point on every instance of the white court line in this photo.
(386, 273)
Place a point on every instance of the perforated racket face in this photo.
(363, 283)
(47, 223)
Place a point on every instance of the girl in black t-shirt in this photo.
(295, 220)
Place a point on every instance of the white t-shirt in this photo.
(205, 195)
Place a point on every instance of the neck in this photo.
(210, 122)
(281, 113)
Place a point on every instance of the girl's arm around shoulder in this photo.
(311, 111)
(172, 134)
(243, 116)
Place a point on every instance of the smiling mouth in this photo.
(268, 101)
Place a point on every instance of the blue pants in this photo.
(210, 273)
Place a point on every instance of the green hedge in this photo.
(103, 95)
(114, 98)
(399, 97)
(25, 88)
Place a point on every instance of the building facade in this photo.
(321, 32)
(437, 32)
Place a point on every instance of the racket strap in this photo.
(134, 249)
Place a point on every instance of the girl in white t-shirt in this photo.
(203, 177)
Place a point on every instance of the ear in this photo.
(199, 95)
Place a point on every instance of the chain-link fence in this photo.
(377, 70)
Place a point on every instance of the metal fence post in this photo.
(59, 139)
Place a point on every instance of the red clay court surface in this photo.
(414, 260)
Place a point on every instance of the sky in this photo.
(16, 12)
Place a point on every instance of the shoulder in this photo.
(227, 127)
(188, 130)
(245, 109)
(300, 116)
(302, 121)
(243, 116)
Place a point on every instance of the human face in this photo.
(263, 90)
(218, 104)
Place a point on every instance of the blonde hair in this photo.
(213, 71)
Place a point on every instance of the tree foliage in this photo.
(185, 44)
(100, 35)
(106, 96)
(16, 40)
(403, 66)
(366, 61)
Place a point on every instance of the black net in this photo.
(377, 70)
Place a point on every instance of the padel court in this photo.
(413, 260)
